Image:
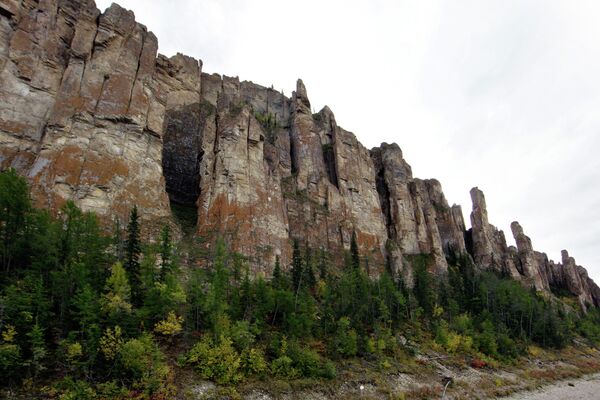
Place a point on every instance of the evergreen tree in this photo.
(296, 266)
(166, 249)
(38, 350)
(323, 264)
(308, 269)
(216, 298)
(132, 257)
(14, 207)
(355, 256)
(277, 276)
(117, 240)
(423, 285)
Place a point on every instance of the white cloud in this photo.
(498, 94)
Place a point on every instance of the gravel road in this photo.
(587, 388)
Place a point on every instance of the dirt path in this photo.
(586, 388)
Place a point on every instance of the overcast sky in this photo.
(503, 95)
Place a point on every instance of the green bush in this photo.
(328, 371)
(253, 362)
(486, 341)
(143, 363)
(241, 335)
(111, 390)
(219, 362)
(506, 346)
(70, 389)
(10, 360)
(305, 360)
(345, 342)
(282, 367)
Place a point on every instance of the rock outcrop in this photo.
(80, 112)
(89, 112)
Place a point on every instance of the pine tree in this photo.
(38, 350)
(132, 257)
(216, 298)
(423, 289)
(354, 251)
(166, 249)
(117, 240)
(308, 270)
(296, 266)
(14, 206)
(277, 274)
(323, 264)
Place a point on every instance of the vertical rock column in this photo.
(528, 259)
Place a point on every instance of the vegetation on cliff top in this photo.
(87, 315)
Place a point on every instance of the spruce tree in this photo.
(323, 264)
(14, 207)
(132, 257)
(296, 266)
(354, 251)
(308, 270)
(217, 296)
(166, 249)
(277, 274)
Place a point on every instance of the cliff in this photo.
(90, 112)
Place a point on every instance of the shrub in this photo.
(219, 362)
(253, 362)
(70, 389)
(328, 371)
(506, 346)
(110, 391)
(141, 360)
(345, 342)
(282, 368)
(111, 342)
(10, 359)
(170, 326)
(305, 360)
(241, 335)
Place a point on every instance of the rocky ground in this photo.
(584, 389)
(424, 377)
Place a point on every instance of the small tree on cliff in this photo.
(277, 275)
(132, 256)
(308, 270)
(166, 250)
(14, 206)
(296, 266)
(355, 257)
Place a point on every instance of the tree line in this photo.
(100, 315)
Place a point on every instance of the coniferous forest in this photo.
(88, 312)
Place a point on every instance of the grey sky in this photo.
(503, 95)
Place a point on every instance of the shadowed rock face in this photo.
(90, 112)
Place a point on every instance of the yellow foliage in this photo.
(534, 351)
(453, 342)
(170, 326)
(111, 342)
(74, 351)
(9, 333)
(114, 303)
(321, 288)
(459, 343)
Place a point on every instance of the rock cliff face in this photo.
(90, 112)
